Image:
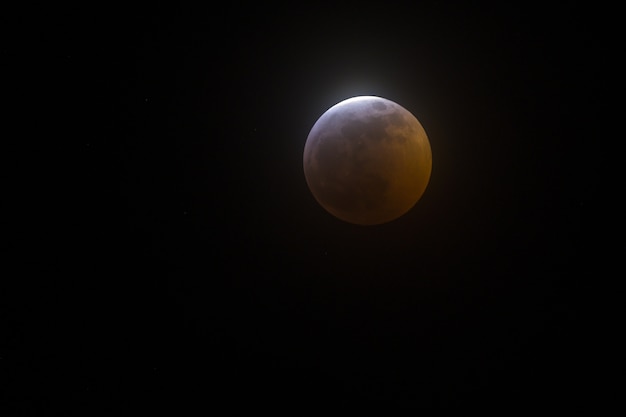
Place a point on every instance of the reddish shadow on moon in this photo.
(367, 160)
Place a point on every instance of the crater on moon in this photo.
(367, 160)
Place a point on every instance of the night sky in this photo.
(186, 267)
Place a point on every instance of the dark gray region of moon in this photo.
(344, 152)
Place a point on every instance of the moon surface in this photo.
(367, 160)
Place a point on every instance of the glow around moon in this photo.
(367, 160)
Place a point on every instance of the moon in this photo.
(367, 160)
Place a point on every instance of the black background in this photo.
(179, 262)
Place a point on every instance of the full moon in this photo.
(367, 160)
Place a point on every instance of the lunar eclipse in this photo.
(327, 206)
(367, 160)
